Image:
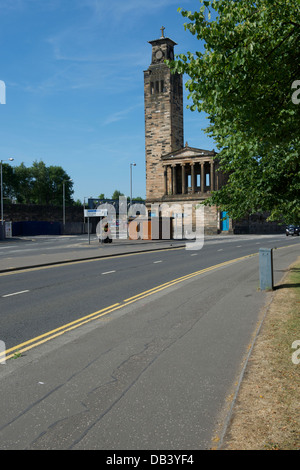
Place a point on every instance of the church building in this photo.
(175, 172)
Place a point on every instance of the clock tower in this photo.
(163, 94)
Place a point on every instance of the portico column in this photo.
(212, 176)
(193, 177)
(183, 178)
(174, 179)
(166, 179)
(202, 177)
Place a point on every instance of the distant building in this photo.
(175, 173)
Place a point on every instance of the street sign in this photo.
(95, 212)
(8, 229)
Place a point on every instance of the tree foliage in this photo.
(243, 81)
(116, 194)
(37, 184)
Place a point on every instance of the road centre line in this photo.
(89, 260)
(39, 340)
(14, 270)
(30, 344)
(15, 293)
(108, 272)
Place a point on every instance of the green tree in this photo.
(23, 184)
(40, 184)
(117, 194)
(57, 177)
(243, 81)
(8, 180)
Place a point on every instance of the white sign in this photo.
(95, 213)
(8, 229)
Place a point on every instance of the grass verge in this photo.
(267, 411)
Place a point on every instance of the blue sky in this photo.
(73, 71)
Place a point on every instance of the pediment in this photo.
(189, 152)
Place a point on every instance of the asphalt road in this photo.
(37, 301)
(148, 372)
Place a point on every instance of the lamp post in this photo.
(131, 165)
(64, 204)
(1, 184)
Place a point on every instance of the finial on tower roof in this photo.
(162, 31)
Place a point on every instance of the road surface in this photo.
(146, 347)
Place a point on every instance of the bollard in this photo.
(266, 268)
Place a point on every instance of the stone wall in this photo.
(257, 224)
(33, 212)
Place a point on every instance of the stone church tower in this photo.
(176, 174)
(163, 114)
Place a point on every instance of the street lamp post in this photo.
(1, 184)
(131, 165)
(64, 203)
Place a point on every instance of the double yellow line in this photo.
(39, 340)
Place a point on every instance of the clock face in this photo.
(159, 55)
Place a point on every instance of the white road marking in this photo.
(155, 262)
(16, 293)
(108, 272)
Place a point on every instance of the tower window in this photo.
(157, 87)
